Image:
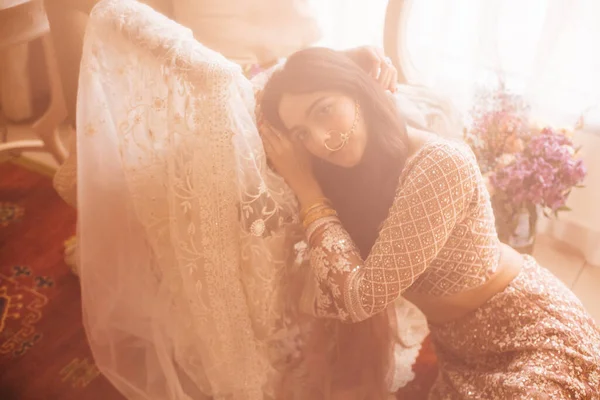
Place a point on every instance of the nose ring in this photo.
(344, 136)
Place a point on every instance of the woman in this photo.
(389, 210)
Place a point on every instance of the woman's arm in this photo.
(434, 197)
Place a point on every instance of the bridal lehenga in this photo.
(190, 252)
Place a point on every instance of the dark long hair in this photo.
(362, 195)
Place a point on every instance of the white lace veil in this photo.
(185, 236)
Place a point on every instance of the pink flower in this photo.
(543, 174)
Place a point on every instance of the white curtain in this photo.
(346, 24)
(546, 50)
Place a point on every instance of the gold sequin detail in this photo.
(533, 340)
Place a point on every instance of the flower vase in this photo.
(518, 229)
(522, 237)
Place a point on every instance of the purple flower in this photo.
(543, 174)
(528, 168)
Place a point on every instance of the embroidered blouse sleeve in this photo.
(436, 193)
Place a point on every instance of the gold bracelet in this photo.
(321, 202)
(312, 217)
(315, 209)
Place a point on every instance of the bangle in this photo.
(316, 209)
(312, 217)
(321, 202)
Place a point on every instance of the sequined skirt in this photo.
(533, 340)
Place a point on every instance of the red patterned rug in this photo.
(43, 349)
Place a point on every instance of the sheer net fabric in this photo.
(184, 234)
(189, 246)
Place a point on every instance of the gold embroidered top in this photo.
(438, 239)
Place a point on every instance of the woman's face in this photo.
(329, 124)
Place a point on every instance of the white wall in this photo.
(581, 227)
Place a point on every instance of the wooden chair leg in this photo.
(46, 126)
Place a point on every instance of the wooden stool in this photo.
(22, 21)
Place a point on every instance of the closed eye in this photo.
(300, 135)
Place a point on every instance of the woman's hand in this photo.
(373, 60)
(292, 161)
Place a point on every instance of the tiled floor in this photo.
(571, 268)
